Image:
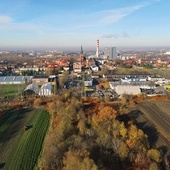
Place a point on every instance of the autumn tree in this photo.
(104, 70)
(78, 160)
(154, 166)
(81, 126)
(123, 109)
(52, 108)
(63, 79)
(137, 140)
(97, 140)
(71, 111)
(37, 102)
(123, 130)
(154, 154)
(106, 114)
(123, 150)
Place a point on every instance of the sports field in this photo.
(20, 147)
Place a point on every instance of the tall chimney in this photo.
(97, 48)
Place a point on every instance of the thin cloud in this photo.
(117, 35)
(5, 19)
(7, 24)
(77, 22)
(113, 16)
(109, 36)
(125, 35)
(102, 18)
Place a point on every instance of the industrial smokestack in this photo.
(97, 48)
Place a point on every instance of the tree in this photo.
(82, 127)
(105, 83)
(154, 155)
(106, 114)
(107, 99)
(65, 128)
(63, 79)
(78, 160)
(123, 150)
(105, 70)
(123, 109)
(123, 130)
(48, 71)
(37, 102)
(71, 111)
(137, 140)
(154, 166)
(52, 108)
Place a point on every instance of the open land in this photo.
(10, 91)
(154, 118)
(22, 134)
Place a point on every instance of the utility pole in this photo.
(55, 85)
(83, 86)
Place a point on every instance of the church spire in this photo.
(81, 55)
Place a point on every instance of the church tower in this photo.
(81, 55)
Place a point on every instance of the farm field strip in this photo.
(157, 116)
(160, 108)
(22, 151)
(6, 121)
(165, 107)
(156, 139)
(31, 144)
(32, 147)
(157, 110)
(9, 148)
(154, 110)
(9, 142)
(18, 154)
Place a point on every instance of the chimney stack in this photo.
(97, 48)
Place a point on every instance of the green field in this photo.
(21, 149)
(11, 90)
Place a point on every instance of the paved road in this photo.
(159, 114)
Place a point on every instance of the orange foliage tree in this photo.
(107, 113)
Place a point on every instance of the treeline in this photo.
(90, 135)
(163, 72)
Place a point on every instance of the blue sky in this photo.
(70, 24)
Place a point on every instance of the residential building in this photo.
(77, 67)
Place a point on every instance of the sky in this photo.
(71, 23)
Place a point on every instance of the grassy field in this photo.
(20, 149)
(11, 90)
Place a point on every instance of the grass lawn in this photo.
(11, 90)
(20, 149)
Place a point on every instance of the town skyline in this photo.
(67, 25)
